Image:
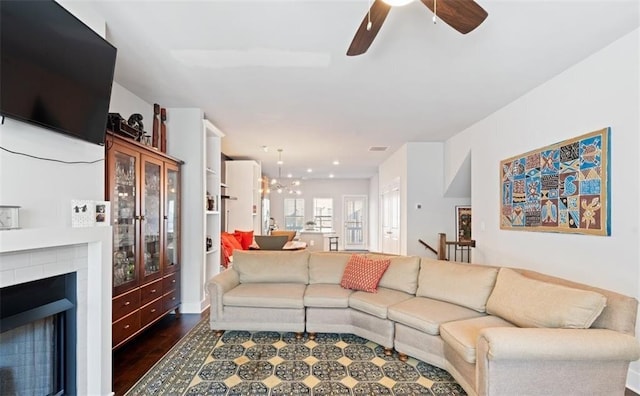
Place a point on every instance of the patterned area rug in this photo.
(270, 363)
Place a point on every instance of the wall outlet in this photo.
(312, 242)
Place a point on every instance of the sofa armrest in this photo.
(217, 287)
(508, 343)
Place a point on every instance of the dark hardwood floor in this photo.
(136, 357)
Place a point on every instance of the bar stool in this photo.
(333, 243)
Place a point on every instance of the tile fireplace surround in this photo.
(30, 254)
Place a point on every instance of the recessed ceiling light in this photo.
(336, 162)
(309, 170)
(289, 175)
(331, 175)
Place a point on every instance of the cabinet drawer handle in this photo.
(126, 327)
(173, 298)
(127, 303)
(153, 291)
(173, 281)
(153, 310)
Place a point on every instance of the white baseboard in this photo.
(633, 381)
(204, 305)
(191, 307)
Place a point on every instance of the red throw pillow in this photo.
(227, 251)
(232, 240)
(362, 273)
(245, 238)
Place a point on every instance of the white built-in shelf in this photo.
(223, 185)
(213, 250)
(212, 212)
(211, 171)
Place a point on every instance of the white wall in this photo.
(45, 189)
(392, 170)
(321, 188)
(418, 166)
(374, 214)
(185, 141)
(601, 91)
(425, 187)
(126, 103)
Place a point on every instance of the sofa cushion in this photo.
(462, 335)
(362, 273)
(402, 273)
(462, 284)
(426, 314)
(323, 295)
(533, 303)
(327, 267)
(266, 295)
(271, 266)
(376, 304)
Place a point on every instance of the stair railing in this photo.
(445, 249)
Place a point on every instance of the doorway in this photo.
(390, 216)
(355, 222)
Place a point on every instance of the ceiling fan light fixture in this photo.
(397, 3)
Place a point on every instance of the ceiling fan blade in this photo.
(364, 37)
(462, 15)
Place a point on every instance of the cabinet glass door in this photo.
(172, 219)
(151, 218)
(123, 199)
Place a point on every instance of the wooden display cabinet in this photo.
(143, 186)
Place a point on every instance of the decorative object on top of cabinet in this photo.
(163, 130)
(144, 188)
(116, 123)
(9, 217)
(156, 125)
(135, 121)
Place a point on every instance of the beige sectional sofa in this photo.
(498, 331)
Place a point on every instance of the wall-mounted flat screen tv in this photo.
(56, 72)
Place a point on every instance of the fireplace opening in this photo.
(38, 337)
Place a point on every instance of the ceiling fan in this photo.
(462, 15)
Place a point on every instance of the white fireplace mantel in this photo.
(94, 289)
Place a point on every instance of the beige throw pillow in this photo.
(462, 284)
(402, 274)
(528, 302)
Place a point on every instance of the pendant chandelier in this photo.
(279, 185)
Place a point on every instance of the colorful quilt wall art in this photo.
(563, 187)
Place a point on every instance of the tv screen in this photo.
(55, 72)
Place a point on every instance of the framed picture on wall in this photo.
(463, 223)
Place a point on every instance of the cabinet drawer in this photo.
(150, 292)
(151, 311)
(171, 300)
(125, 328)
(171, 281)
(125, 304)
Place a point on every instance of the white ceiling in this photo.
(275, 73)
